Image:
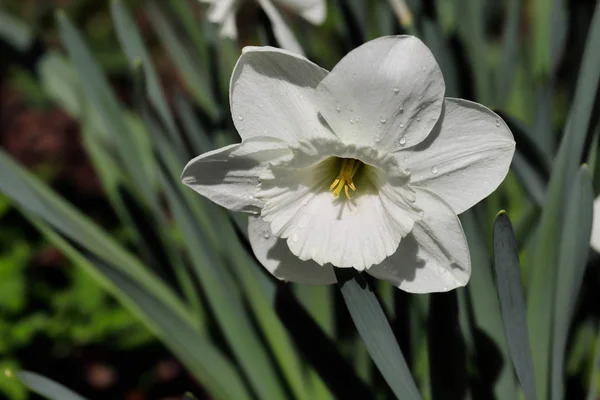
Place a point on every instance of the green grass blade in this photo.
(212, 369)
(574, 248)
(15, 32)
(98, 90)
(190, 69)
(510, 51)
(512, 302)
(542, 291)
(373, 327)
(46, 387)
(192, 127)
(593, 388)
(131, 41)
(37, 198)
(487, 317)
(226, 301)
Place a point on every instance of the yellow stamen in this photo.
(348, 169)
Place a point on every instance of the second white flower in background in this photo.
(223, 12)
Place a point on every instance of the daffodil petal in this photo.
(595, 239)
(274, 254)
(281, 30)
(387, 93)
(222, 12)
(230, 176)
(434, 257)
(314, 11)
(272, 93)
(465, 158)
(348, 233)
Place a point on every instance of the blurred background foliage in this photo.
(104, 102)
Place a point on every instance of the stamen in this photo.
(348, 169)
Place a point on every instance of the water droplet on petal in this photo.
(295, 237)
(434, 170)
(338, 108)
(396, 90)
(401, 125)
(305, 201)
(402, 141)
(260, 106)
(441, 269)
(303, 221)
(497, 123)
(240, 117)
(357, 119)
(401, 109)
(407, 170)
(377, 139)
(352, 121)
(445, 289)
(418, 119)
(354, 75)
(424, 68)
(251, 197)
(266, 235)
(383, 120)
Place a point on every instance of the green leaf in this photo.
(98, 90)
(546, 254)
(192, 127)
(510, 51)
(212, 369)
(46, 387)
(593, 389)
(131, 41)
(38, 199)
(15, 32)
(512, 302)
(191, 70)
(373, 327)
(577, 228)
(486, 317)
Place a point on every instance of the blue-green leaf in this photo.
(512, 302)
(375, 330)
(46, 387)
(577, 228)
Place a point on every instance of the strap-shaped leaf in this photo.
(546, 254)
(206, 363)
(375, 330)
(46, 387)
(512, 302)
(577, 228)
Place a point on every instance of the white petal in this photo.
(595, 239)
(465, 158)
(274, 254)
(281, 30)
(229, 176)
(314, 11)
(434, 257)
(272, 93)
(222, 12)
(346, 233)
(386, 93)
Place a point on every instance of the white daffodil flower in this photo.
(223, 12)
(364, 167)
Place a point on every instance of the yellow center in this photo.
(348, 169)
